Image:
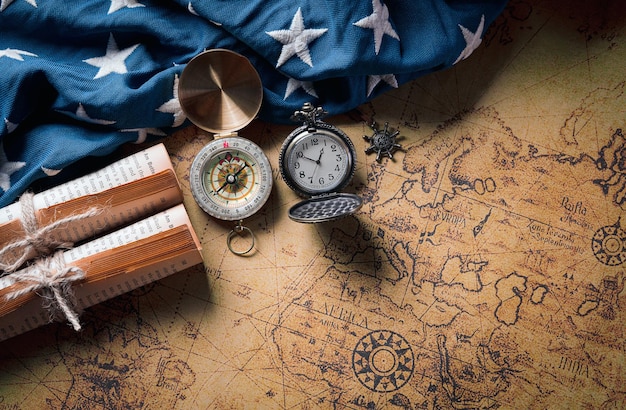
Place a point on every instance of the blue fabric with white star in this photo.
(78, 79)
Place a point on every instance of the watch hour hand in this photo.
(317, 161)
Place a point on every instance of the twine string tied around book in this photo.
(51, 278)
(37, 238)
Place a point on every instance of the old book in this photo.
(115, 263)
(129, 189)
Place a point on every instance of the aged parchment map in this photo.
(486, 268)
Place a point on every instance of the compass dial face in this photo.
(231, 178)
(317, 162)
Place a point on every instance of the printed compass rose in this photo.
(383, 142)
(609, 244)
(383, 361)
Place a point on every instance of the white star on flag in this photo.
(82, 114)
(120, 4)
(472, 40)
(373, 80)
(15, 54)
(10, 126)
(142, 133)
(113, 61)
(293, 85)
(173, 106)
(379, 22)
(7, 168)
(191, 9)
(296, 40)
(50, 171)
(5, 3)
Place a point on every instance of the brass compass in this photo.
(231, 177)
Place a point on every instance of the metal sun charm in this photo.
(383, 142)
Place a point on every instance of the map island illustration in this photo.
(485, 269)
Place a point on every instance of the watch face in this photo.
(317, 162)
(231, 178)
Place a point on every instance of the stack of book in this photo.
(128, 226)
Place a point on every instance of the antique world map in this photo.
(485, 270)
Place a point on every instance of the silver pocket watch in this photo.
(317, 160)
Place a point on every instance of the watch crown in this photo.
(309, 115)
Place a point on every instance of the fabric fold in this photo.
(109, 69)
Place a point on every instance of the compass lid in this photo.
(220, 91)
(325, 208)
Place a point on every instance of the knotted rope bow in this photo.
(52, 279)
(37, 239)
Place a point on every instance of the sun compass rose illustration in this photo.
(383, 361)
(609, 244)
(383, 142)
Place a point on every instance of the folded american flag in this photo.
(80, 78)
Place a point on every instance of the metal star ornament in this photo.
(383, 142)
